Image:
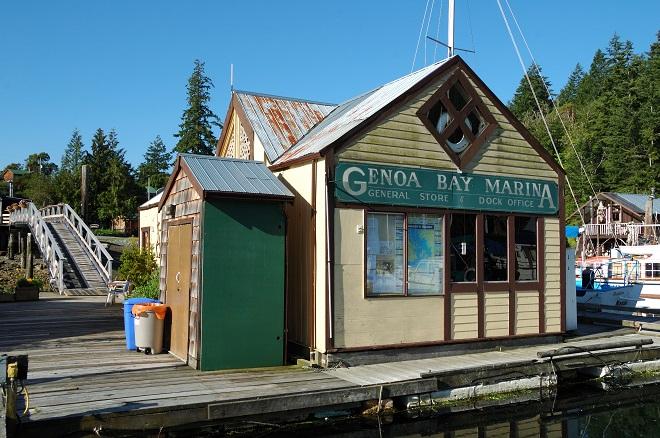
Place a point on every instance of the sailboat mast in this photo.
(450, 29)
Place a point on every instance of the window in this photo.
(652, 270)
(495, 248)
(385, 254)
(425, 248)
(457, 118)
(525, 242)
(463, 247)
(421, 236)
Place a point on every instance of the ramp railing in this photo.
(51, 252)
(92, 245)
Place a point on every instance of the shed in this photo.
(222, 262)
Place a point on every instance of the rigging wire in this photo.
(437, 31)
(538, 104)
(428, 23)
(419, 37)
(554, 105)
(469, 14)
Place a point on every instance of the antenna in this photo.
(450, 29)
(231, 77)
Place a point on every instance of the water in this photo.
(578, 411)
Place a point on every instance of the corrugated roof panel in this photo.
(280, 122)
(639, 201)
(352, 113)
(234, 176)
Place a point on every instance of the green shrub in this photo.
(137, 265)
(109, 232)
(151, 289)
(28, 282)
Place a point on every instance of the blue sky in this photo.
(124, 64)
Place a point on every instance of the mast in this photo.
(450, 29)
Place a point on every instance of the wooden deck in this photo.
(82, 377)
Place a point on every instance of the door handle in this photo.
(178, 277)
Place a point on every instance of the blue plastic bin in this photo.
(129, 326)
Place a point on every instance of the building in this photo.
(614, 218)
(222, 262)
(425, 215)
(149, 224)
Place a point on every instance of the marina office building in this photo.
(424, 215)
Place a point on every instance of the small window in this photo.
(385, 254)
(463, 247)
(457, 118)
(495, 248)
(526, 253)
(652, 270)
(425, 254)
(617, 269)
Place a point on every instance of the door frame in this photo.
(170, 223)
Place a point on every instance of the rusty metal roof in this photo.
(280, 122)
(234, 177)
(352, 113)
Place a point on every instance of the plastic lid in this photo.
(140, 301)
(160, 310)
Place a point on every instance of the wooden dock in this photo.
(81, 377)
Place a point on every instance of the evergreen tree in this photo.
(74, 154)
(196, 128)
(153, 171)
(118, 199)
(568, 94)
(523, 102)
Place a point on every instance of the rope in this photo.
(428, 23)
(419, 37)
(437, 31)
(554, 105)
(538, 105)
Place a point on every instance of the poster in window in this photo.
(385, 254)
(424, 255)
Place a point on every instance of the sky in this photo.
(124, 64)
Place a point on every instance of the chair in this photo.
(117, 288)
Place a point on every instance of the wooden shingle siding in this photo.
(496, 317)
(188, 205)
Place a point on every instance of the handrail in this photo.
(93, 245)
(51, 252)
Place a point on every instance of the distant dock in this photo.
(81, 377)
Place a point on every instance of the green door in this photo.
(242, 284)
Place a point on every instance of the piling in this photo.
(21, 248)
(10, 246)
(29, 257)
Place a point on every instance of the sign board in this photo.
(416, 187)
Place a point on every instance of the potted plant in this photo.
(27, 289)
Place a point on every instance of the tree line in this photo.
(114, 187)
(612, 117)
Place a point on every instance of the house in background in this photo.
(149, 225)
(425, 215)
(614, 218)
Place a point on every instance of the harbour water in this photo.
(577, 411)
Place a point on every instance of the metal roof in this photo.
(280, 122)
(153, 202)
(352, 113)
(634, 201)
(234, 176)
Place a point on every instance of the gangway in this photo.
(76, 260)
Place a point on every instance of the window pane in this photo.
(463, 250)
(495, 246)
(384, 254)
(425, 250)
(525, 248)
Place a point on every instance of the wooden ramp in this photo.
(80, 271)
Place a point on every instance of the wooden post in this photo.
(10, 246)
(21, 249)
(29, 258)
(23, 244)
